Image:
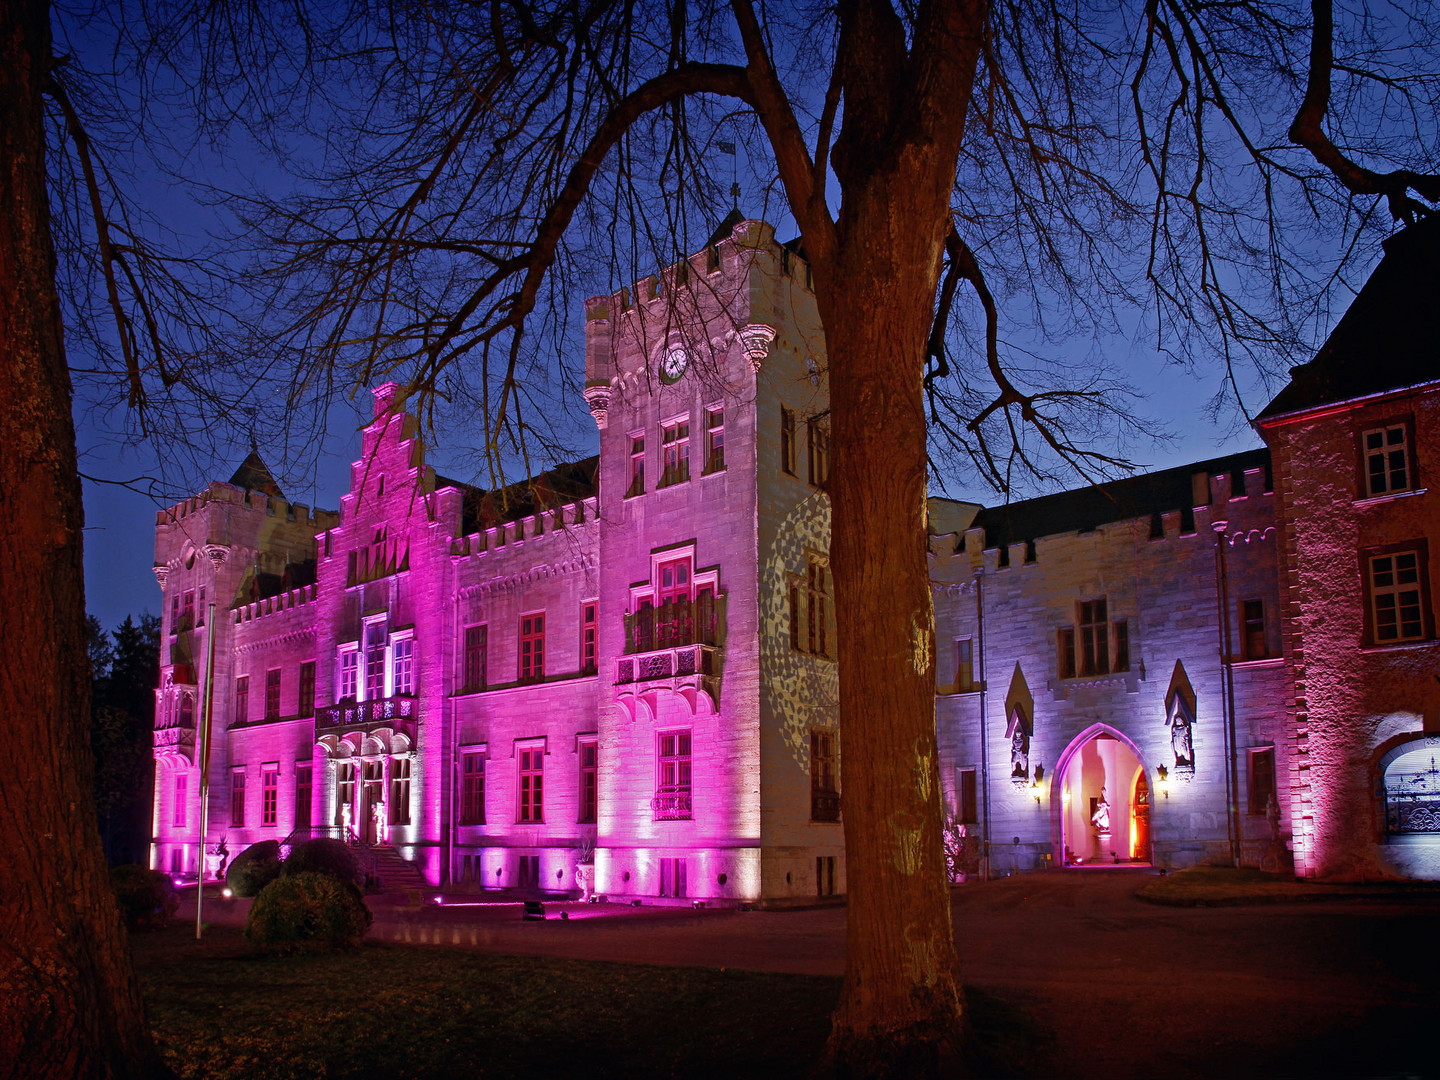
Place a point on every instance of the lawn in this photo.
(407, 1011)
(1223, 886)
(416, 1011)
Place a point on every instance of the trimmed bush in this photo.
(307, 912)
(254, 868)
(324, 855)
(146, 897)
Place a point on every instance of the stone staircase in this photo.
(395, 873)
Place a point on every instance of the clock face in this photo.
(674, 363)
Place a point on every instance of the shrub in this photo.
(324, 855)
(307, 912)
(146, 898)
(254, 868)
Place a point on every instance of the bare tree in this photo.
(960, 171)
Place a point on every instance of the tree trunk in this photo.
(901, 1010)
(69, 1002)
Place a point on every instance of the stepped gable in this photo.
(252, 475)
(1100, 504)
(564, 484)
(1386, 340)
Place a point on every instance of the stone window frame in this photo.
(1421, 549)
(1363, 490)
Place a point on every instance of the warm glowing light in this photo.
(226, 893)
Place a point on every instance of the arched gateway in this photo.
(1100, 801)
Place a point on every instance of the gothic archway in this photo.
(1100, 803)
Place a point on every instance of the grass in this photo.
(1220, 886)
(408, 1011)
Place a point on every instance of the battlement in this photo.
(286, 601)
(583, 513)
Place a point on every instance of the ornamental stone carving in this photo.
(755, 339)
(598, 398)
(217, 554)
(161, 574)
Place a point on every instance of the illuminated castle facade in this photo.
(619, 678)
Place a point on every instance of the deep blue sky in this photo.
(120, 523)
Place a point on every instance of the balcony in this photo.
(673, 625)
(175, 740)
(672, 802)
(824, 806)
(397, 713)
(677, 647)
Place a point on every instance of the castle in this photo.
(619, 678)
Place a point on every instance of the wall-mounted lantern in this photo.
(1162, 780)
(1037, 786)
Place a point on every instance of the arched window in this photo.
(187, 711)
(1412, 792)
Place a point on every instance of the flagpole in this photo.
(205, 714)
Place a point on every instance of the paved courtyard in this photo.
(1100, 982)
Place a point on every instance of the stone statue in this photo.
(1180, 740)
(347, 819)
(382, 822)
(1101, 818)
(1019, 753)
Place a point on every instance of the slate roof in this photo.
(560, 486)
(1388, 339)
(252, 475)
(1119, 500)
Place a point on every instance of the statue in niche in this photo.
(1101, 817)
(1180, 740)
(1019, 753)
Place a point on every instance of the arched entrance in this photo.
(1104, 800)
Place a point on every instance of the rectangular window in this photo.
(532, 647)
(374, 661)
(200, 608)
(304, 794)
(344, 791)
(272, 694)
(181, 785)
(270, 794)
(672, 789)
(819, 438)
(187, 610)
(1396, 603)
(476, 657)
(174, 614)
(349, 674)
(637, 466)
(472, 788)
(824, 777)
(242, 699)
(400, 791)
(965, 798)
(402, 667)
(673, 617)
(532, 779)
(817, 607)
(237, 797)
(1252, 630)
(305, 697)
(1387, 460)
(787, 440)
(812, 608)
(675, 445)
(1120, 631)
(964, 666)
(714, 440)
(1262, 780)
(1094, 638)
(589, 783)
(588, 626)
(824, 875)
(1065, 651)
